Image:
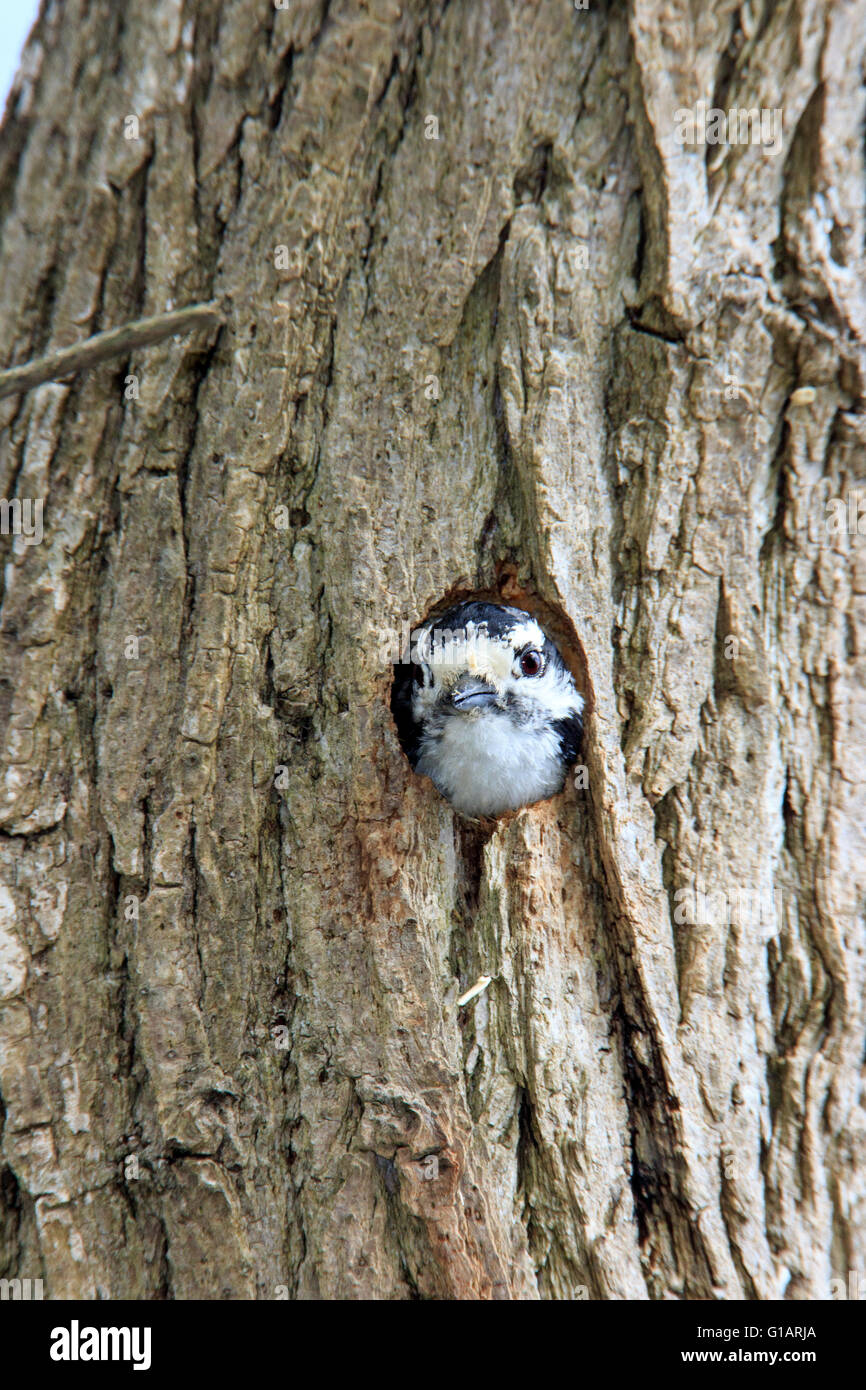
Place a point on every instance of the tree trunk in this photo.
(497, 322)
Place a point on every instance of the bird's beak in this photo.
(472, 693)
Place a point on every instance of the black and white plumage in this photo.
(487, 709)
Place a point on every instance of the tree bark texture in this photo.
(490, 329)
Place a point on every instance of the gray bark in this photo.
(553, 355)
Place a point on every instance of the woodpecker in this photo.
(487, 709)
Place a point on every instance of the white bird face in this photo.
(491, 713)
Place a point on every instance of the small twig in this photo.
(115, 342)
(478, 988)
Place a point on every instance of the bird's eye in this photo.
(531, 662)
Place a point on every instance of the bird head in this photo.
(487, 708)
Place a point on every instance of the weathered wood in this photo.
(489, 329)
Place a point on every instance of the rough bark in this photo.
(551, 354)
